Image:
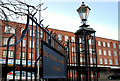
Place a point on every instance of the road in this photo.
(107, 80)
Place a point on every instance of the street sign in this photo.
(53, 62)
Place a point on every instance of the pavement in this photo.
(107, 80)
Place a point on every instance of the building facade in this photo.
(108, 50)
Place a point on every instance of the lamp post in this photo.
(85, 40)
(83, 12)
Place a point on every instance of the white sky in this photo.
(62, 15)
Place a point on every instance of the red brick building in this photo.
(108, 50)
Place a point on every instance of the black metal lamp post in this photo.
(83, 46)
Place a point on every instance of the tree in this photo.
(13, 10)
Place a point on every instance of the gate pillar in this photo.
(85, 48)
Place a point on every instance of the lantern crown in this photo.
(83, 12)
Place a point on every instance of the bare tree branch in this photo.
(10, 10)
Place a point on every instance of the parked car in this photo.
(114, 76)
(17, 75)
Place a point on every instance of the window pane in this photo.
(23, 55)
(114, 45)
(90, 51)
(100, 60)
(109, 53)
(90, 42)
(105, 61)
(99, 43)
(73, 49)
(73, 58)
(80, 40)
(115, 54)
(4, 53)
(10, 54)
(5, 41)
(119, 46)
(31, 32)
(108, 44)
(105, 52)
(9, 29)
(72, 39)
(30, 44)
(116, 62)
(91, 61)
(12, 41)
(60, 37)
(110, 61)
(23, 43)
(100, 52)
(104, 44)
(66, 38)
(30, 55)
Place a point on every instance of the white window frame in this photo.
(66, 38)
(105, 61)
(73, 59)
(100, 61)
(119, 46)
(24, 43)
(23, 55)
(41, 34)
(110, 61)
(30, 55)
(108, 44)
(114, 45)
(9, 29)
(10, 54)
(90, 42)
(90, 51)
(73, 49)
(72, 39)
(6, 40)
(100, 52)
(80, 40)
(115, 53)
(59, 37)
(82, 59)
(116, 62)
(31, 32)
(99, 43)
(91, 60)
(30, 44)
(93, 42)
(104, 44)
(4, 53)
(105, 52)
(109, 53)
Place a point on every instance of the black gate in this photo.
(80, 69)
(31, 70)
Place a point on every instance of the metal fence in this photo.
(82, 63)
(41, 33)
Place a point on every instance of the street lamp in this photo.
(85, 41)
(83, 12)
